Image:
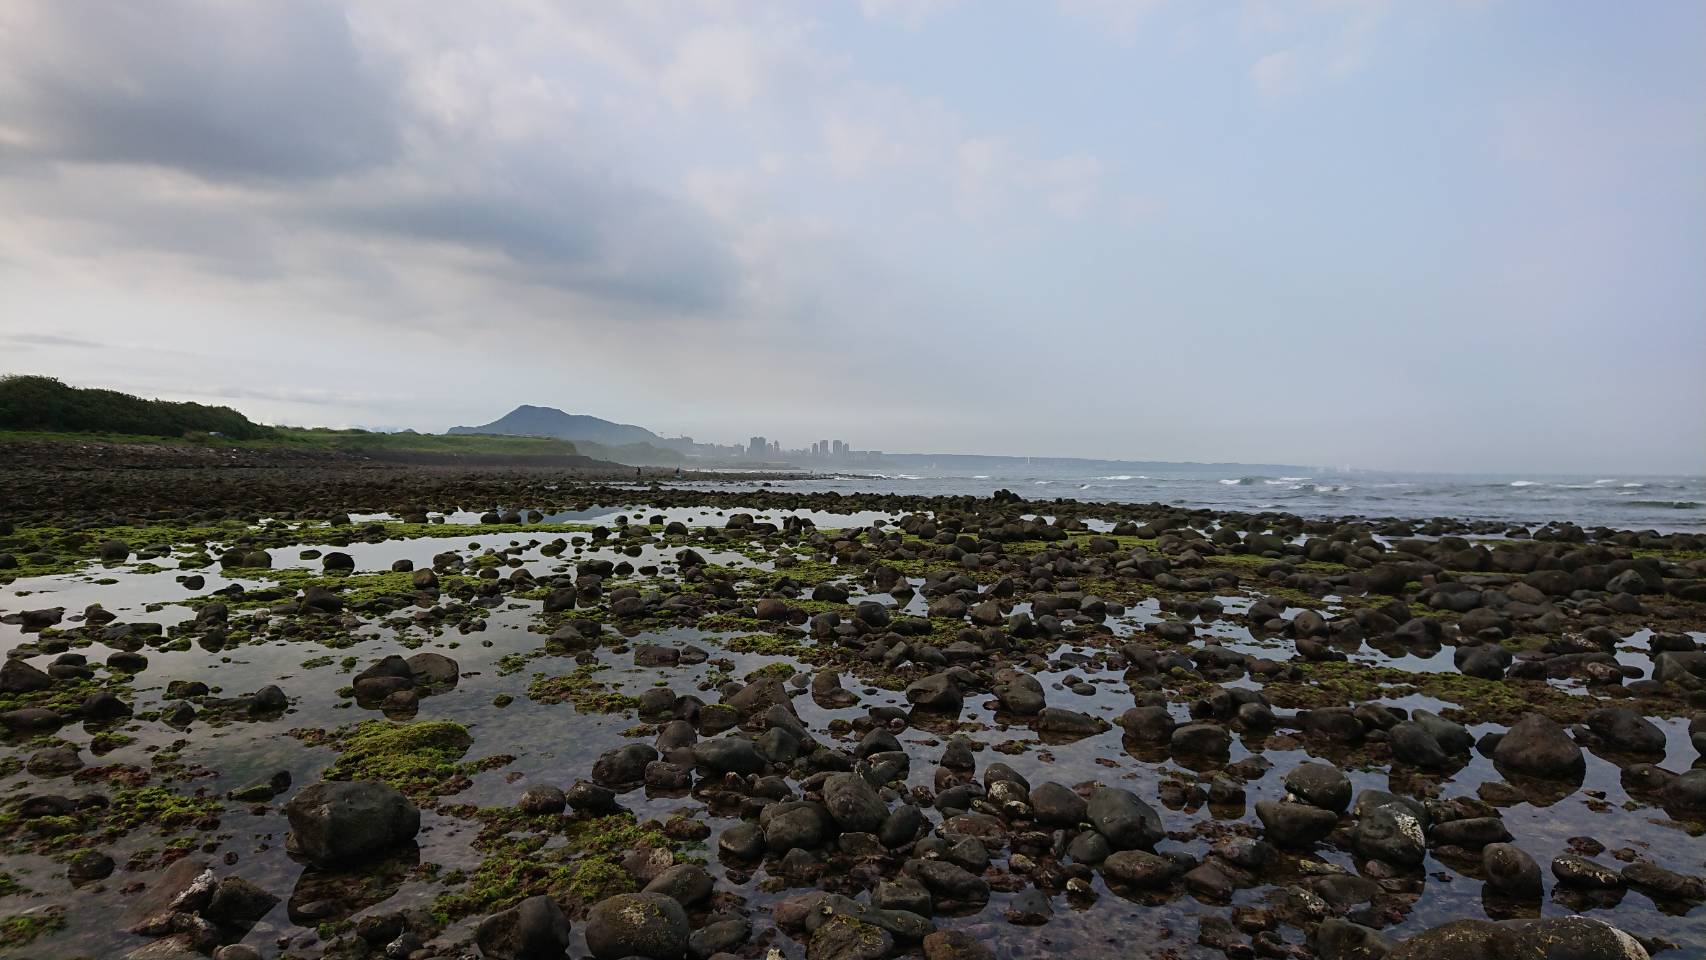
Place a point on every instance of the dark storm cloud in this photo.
(322, 144)
(219, 90)
(572, 230)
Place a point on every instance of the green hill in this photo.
(46, 404)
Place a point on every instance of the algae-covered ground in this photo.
(176, 675)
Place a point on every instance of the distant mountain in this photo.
(531, 421)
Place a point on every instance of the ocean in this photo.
(1665, 504)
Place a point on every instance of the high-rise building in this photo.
(757, 447)
(840, 448)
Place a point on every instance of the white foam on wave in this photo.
(1525, 483)
(1634, 486)
(1293, 479)
(980, 476)
(1118, 476)
(1232, 483)
(1606, 480)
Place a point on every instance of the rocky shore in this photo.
(359, 711)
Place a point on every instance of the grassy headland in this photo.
(36, 409)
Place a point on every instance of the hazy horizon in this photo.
(1456, 238)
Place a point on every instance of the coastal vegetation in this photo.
(43, 403)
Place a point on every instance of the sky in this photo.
(1454, 236)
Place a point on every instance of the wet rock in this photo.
(625, 766)
(87, 866)
(1029, 908)
(902, 826)
(591, 798)
(1320, 784)
(685, 883)
(1510, 871)
(795, 826)
(1573, 871)
(743, 842)
(1152, 724)
(433, 670)
(1200, 739)
(843, 937)
(17, 676)
(730, 753)
(1069, 722)
(637, 925)
(54, 762)
(949, 880)
(1140, 868)
(853, 803)
(1687, 791)
(237, 905)
(1654, 879)
(1337, 939)
(541, 798)
(1539, 747)
(336, 821)
(1412, 744)
(1295, 825)
(1057, 805)
(261, 791)
(902, 893)
(724, 932)
(1623, 728)
(28, 719)
(1022, 694)
(534, 929)
(1391, 833)
(1468, 833)
(1124, 820)
(1551, 938)
(955, 945)
(935, 692)
(1338, 893)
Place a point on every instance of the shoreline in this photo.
(1123, 717)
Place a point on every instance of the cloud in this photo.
(1120, 18)
(1335, 41)
(223, 91)
(49, 340)
(293, 143)
(982, 166)
(911, 14)
(1070, 184)
(722, 62)
(684, 211)
(1279, 74)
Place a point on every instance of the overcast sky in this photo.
(1442, 235)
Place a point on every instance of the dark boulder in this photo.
(335, 822)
